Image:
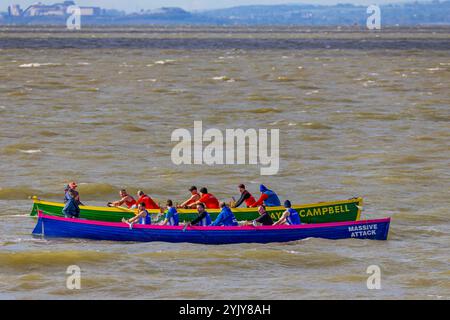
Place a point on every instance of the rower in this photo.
(290, 216)
(268, 198)
(194, 198)
(143, 217)
(71, 208)
(203, 218)
(225, 217)
(72, 186)
(264, 218)
(143, 198)
(171, 217)
(208, 199)
(125, 199)
(245, 196)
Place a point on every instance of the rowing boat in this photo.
(52, 226)
(321, 212)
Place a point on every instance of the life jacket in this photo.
(149, 203)
(229, 218)
(67, 196)
(210, 201)
(206, 221)
(272, 200)
(145, 220)
(129, 201)
(172, 216)
(71, 208)
(293, 218)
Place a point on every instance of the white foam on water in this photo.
(147, 80)
(222, 78)
(37, 65)
(291, 251)
(166, 61)
(31, 151)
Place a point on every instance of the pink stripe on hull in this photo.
(153, 226)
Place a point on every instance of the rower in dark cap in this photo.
(290, 216)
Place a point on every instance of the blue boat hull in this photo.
(51, 226)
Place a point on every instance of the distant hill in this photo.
(408, 14)
(342, 14)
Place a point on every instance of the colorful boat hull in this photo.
(52, 226)
(322, 212)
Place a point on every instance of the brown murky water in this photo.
(359, 113)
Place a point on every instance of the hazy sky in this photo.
(136, 5)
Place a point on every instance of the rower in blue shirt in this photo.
(171, 217)
(268, 198)
(143, 217)
(203, 218)
(225, 217)
(290, 216)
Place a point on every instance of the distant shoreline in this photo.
(396, 14)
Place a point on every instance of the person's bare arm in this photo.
(193, 205)
(136, 217)
(119, 203)
(282, 219)
(186, 202)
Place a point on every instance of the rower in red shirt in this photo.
(245, 197)
(194, 198)
(125, 199)
(208, 199)
(149, 203)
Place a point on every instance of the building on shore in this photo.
(14, 10)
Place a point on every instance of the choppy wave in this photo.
(262, 110)
(19, 193)
(315, 125)
(379, 116)
(51, 259)
(256, 97)
(132, 128)
(225, 43)
(88, 191)
(20, 148)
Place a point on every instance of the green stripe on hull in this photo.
(313, 213)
